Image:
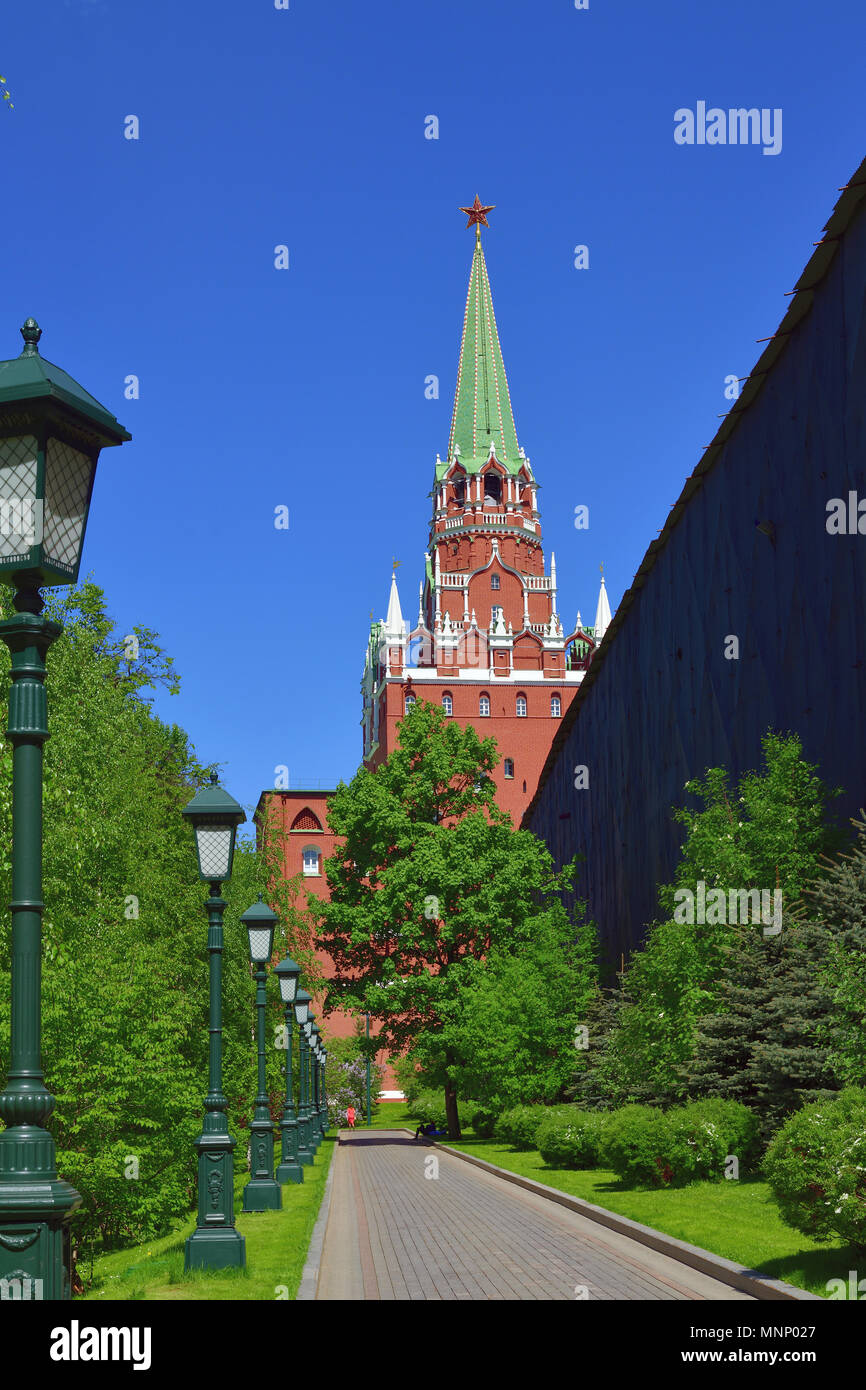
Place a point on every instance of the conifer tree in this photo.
(838, 903)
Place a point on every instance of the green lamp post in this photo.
(313, 1104)
(327, 1118)
(302, 1010)
(322, 1090)
(215, 1243)
(51, 434)
(262, 1192)
(289, 1170)
(367, 1068)
(317, 1058)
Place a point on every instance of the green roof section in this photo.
(482, 404)
(31, 376)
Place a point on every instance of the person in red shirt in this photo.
(350, 1116)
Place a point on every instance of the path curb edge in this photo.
(310, 1277)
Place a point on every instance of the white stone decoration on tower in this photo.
(602, 613)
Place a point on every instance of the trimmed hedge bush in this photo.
(632, 1142)
(519, 1125)
(689, 1143)
(816, 1167)
(569, 1138)
(484, 1123)
(739, 1127)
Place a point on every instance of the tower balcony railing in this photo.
(510, 520)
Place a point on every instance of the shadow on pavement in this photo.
(381, 1136)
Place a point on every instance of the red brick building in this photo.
(488, 644)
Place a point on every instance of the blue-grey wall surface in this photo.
(748, 555)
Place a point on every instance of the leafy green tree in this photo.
(768, 834)
(432, 879)
(513, 1025)
(125, 994)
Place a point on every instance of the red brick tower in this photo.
(488, 644)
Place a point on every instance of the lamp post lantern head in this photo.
(215, 817)
(288, 974)
(51, 433)
(260, 922)
(302, 1007)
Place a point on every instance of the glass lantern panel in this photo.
(288, 989)
(19, 511)
(67, 484)
(260, 943)
(301, 1011)
(214, 848)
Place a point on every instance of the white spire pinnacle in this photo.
(602, 613)
(394, 625)
(579, 624)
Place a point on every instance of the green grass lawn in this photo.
(277, 1244)
(387, 1115)
(738, 1220)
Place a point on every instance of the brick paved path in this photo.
(395, 1234)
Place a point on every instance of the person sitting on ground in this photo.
(428, 1131)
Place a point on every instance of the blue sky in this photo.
(305, 387)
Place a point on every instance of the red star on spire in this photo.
(477, 213)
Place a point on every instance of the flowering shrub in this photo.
(347, 1085)
(816, 1167)
(518, 1126)
(694, 1147)
(737, 1128)
(569, 1138)
(688, 1143)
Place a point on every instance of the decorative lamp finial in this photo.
(31, 333)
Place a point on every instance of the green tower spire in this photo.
(482, 406)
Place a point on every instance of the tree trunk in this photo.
(451, 1111)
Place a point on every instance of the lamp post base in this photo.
(289, 1171)
(263, 1194)
(217, 1249)
(305, 1147)
(34, 1239)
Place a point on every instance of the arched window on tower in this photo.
(555, 707)
(448, 704)
(508, 768)
(495, 581)
(306, 820)
(492, 488)
(408, 703)
(312, 861)
(484, 706)
(521, 706)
